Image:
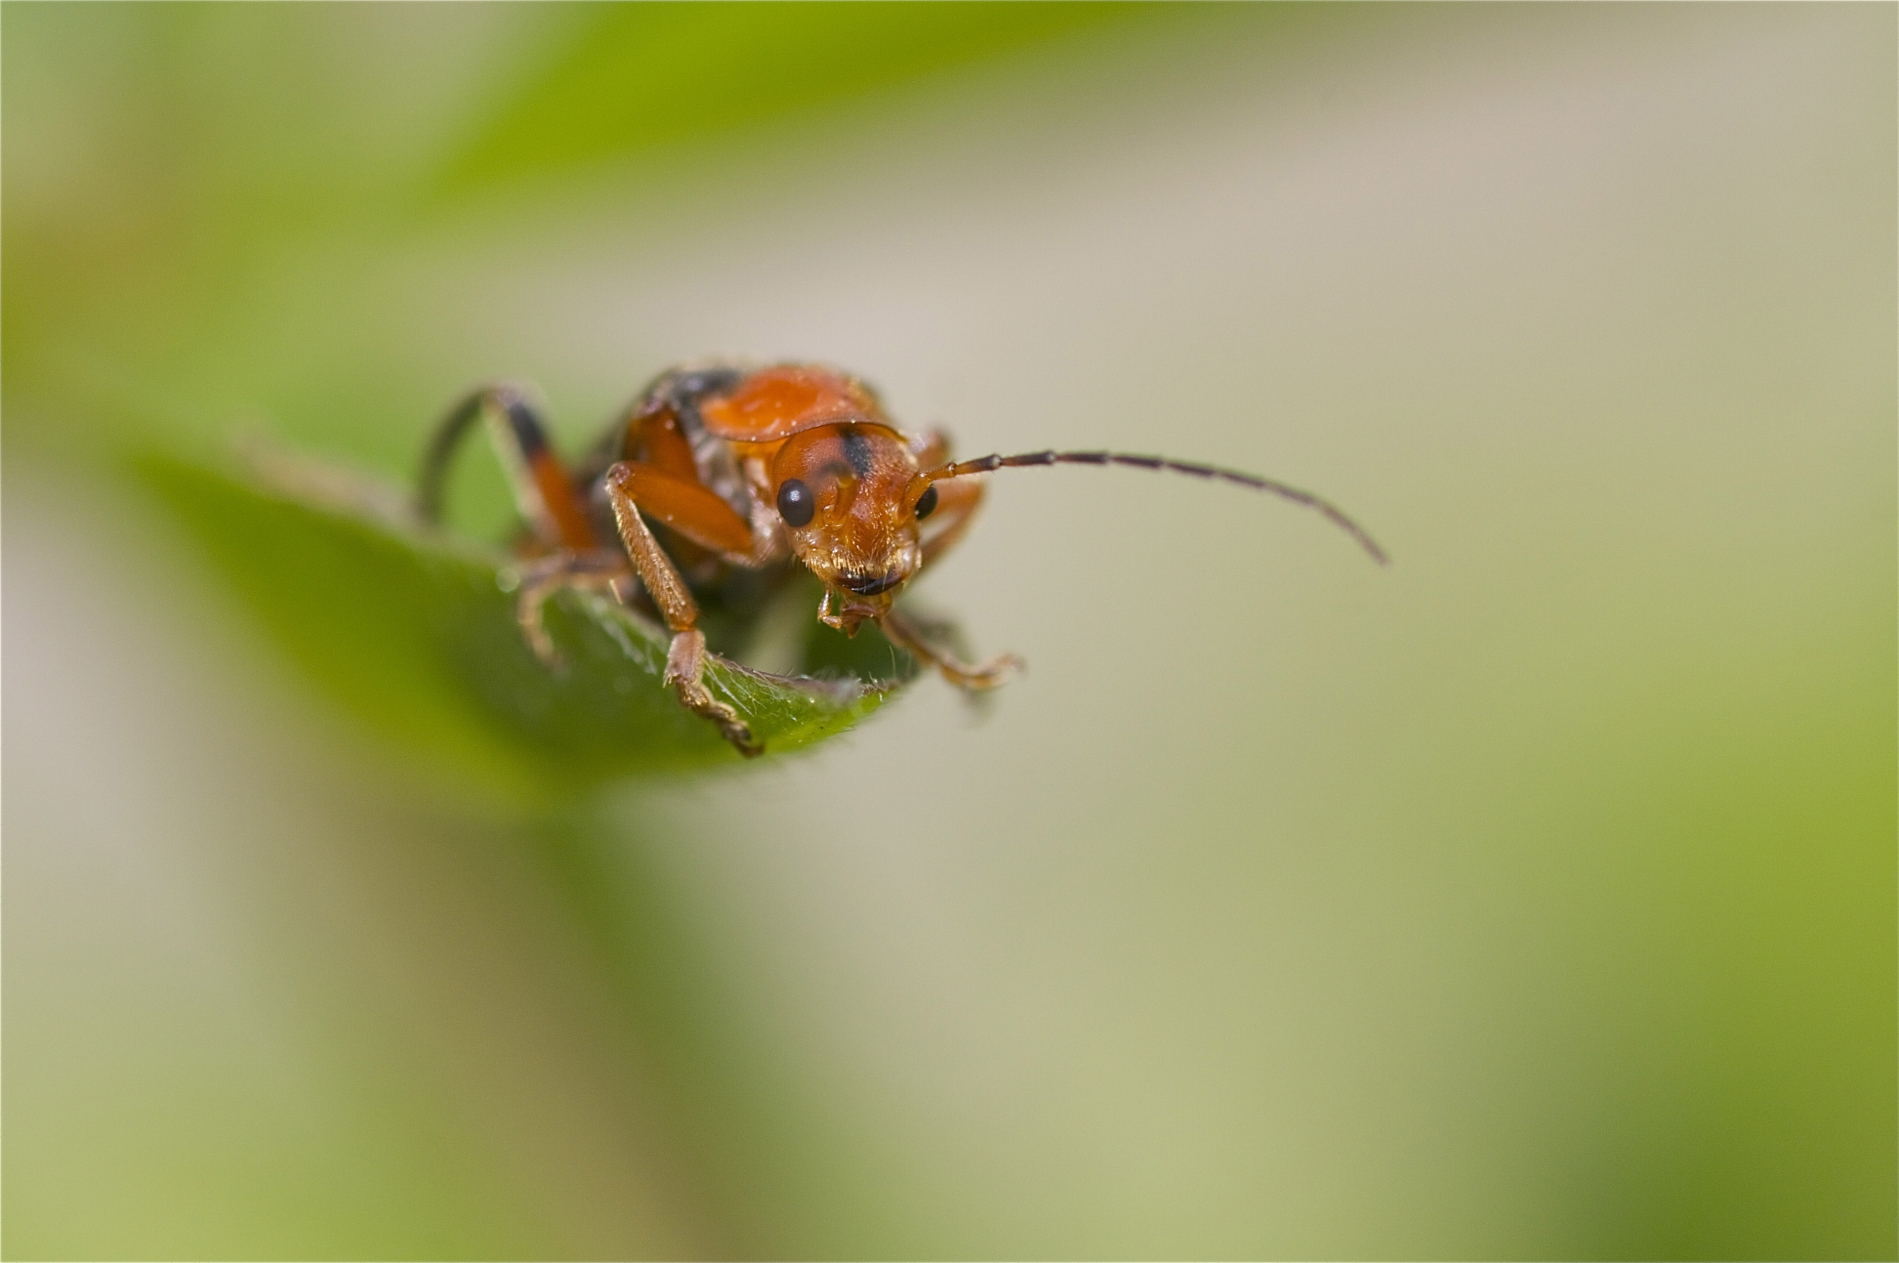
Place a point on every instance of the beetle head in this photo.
(848, 494)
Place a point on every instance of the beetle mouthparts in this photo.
(864, 585)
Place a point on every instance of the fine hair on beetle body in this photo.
(745, 469)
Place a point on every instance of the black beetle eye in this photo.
(926, 503)
(795, 503)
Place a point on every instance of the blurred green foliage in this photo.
(171, 255)
(639, 77)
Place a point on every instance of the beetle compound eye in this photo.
(796, 504)
(926, 503)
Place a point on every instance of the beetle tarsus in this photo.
(901, 632)
(545, 576)
(685, 672)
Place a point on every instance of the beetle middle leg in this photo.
(541, 488)
(705, 519)
(544, 576)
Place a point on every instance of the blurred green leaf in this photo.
(636, 76)
(415, 633)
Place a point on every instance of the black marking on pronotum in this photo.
(856, 450)
(1332, 513)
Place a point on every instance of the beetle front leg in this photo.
(685, 671)
(686, 656)
(904, 634)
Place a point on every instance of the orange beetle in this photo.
(744, 468)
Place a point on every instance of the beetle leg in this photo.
(956, 498)
(544, 576)
(902, 633)
(768, 530)
(685, 671)
(686, 657)
(686, 506)
(956, 502)
(542, 491)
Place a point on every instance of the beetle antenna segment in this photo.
(1336, 515)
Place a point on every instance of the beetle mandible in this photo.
(746, 468)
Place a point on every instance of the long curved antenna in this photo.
(1336, 515)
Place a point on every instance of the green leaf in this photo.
(415, 632)
(635, 77)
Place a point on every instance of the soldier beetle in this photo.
(751, 468)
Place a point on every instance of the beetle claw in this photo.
(685, 672)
